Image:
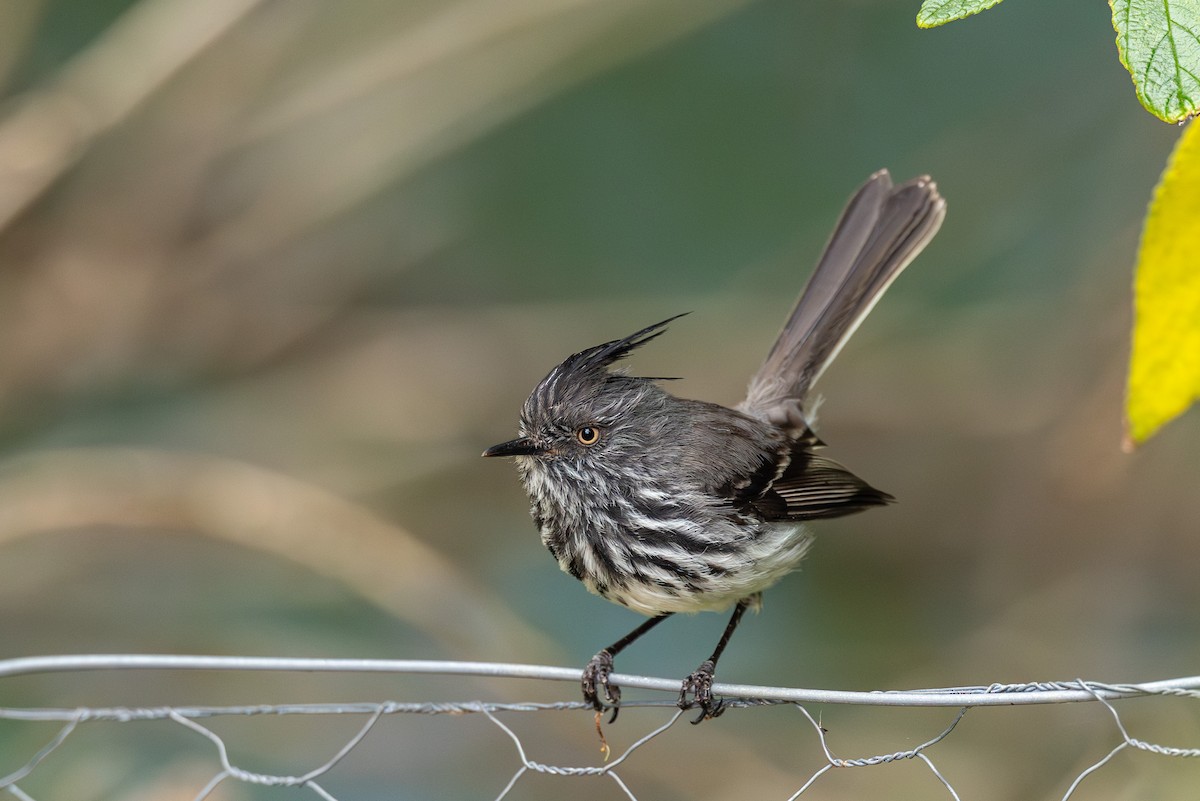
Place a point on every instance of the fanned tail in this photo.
(882, 229)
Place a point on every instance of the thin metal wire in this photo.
(882, 759)
(744, 696)
(989, 695)
(609, 769)
(7, 782)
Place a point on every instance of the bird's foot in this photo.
(597, 690)
(697, 691)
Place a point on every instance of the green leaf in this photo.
(1164, 368)
(1158, 44)
(938, 12)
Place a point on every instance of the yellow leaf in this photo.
(1164, 369)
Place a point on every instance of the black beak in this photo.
(517, 447)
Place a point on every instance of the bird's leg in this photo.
(697, 688)
(595, 673)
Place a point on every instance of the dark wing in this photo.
(794, 483)
(814, 487)
(763, 473)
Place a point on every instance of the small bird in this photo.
(664, 504)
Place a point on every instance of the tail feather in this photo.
(882, 229)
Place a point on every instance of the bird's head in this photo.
(582, 411)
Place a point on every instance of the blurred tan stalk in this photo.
(255, 508)
(190, 147)
(49, 130)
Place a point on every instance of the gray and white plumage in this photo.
(682, 505)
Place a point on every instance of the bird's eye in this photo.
(587, 435)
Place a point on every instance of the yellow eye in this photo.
(587, 435)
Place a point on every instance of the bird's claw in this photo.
(697, 691)
(596, 685)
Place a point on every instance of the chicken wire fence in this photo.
(958, 702)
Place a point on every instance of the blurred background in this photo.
(273, 274)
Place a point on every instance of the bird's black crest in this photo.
(577, 378)
(602, 356)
